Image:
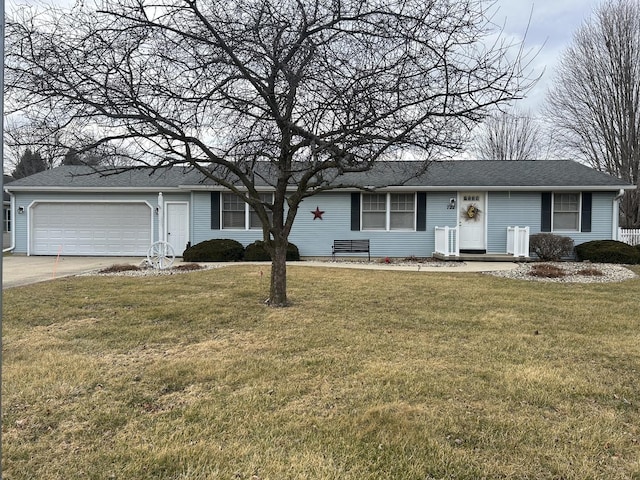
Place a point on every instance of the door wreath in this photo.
(471, 212)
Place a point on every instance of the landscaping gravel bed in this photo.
(570, 272)
(560, 272)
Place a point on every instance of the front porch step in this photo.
(481, 257)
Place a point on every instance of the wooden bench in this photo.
(351, 246)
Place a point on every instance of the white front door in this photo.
(177, 225)
(472, 221)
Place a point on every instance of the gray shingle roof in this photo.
(73, 176)
(489, 175)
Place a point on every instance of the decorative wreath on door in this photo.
(471, 212)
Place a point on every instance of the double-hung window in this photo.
(7, 219)
(233, 212)
(238, 215)
(388, 211)
(254, 219)
(374, 211)
(566, 212)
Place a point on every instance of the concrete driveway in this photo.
(20, 270)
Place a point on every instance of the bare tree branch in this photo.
(509, 136)
(594, 104)
(317, 89)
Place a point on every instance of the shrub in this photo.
(544, 270)
(549, 247)
(608, 251)
(215, 250)
(256, 252)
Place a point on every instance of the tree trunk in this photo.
(278, 296)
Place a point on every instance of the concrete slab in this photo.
(418, 267)
(20, 270)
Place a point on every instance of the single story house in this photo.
(454, 207)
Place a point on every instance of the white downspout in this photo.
(12, 209)
(160, 218)
(615, 234)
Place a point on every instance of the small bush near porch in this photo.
(369, 375)
(550, 247)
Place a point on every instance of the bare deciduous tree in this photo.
(594, 104)
(509, 136)
(313, 89)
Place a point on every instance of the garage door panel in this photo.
(91, 228)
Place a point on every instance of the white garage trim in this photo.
(89, 227)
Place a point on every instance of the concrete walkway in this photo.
(20, 270)
(418, 267)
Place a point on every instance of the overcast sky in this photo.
(552, 25)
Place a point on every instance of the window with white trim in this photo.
(566, 212)
(374, 211)
(254, 219)
(388, 211)
(7, 219)
(233, 212)
(238, 215)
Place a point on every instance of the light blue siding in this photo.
(25, 199)
(511, 209)
(439, 214)
(315, 237)
(601, 219)
(523, 209)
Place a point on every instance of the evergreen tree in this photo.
(30, 163)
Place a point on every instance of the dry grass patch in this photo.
(370, 374)
(118, 268)
(187, 267)
(590, 272)
(546, 270)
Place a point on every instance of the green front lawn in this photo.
(369, 375)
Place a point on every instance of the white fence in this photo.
(630, 236)
(518, 241)
(447, 241)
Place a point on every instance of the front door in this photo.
(472, 222)
(177, 225)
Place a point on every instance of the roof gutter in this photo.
(439, 188)
(266, 188)
(93, 189)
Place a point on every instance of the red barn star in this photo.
(317, 213)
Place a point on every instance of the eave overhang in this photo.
(395, 188)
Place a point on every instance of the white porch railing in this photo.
(630, 236)
(447, 241)
(518, 241)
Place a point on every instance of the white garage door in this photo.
(90, 229)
